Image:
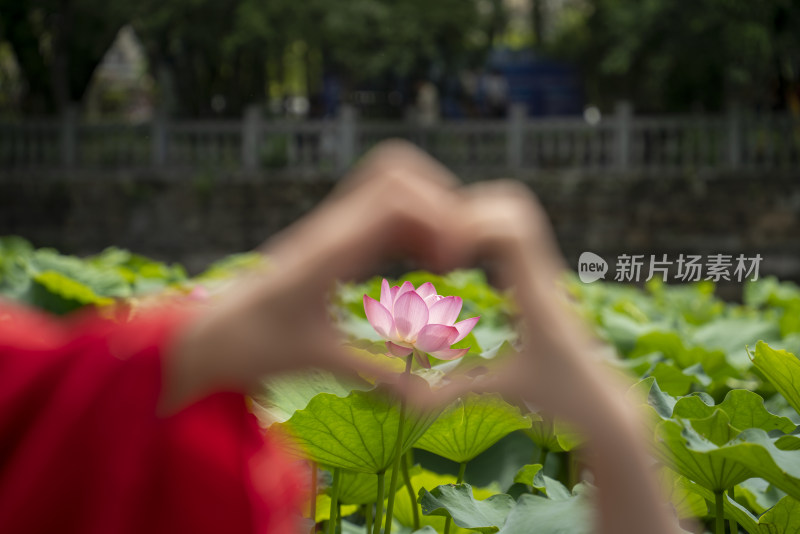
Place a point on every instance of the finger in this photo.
(506, 223)
(344, 361)
(411, 203)
(397, 156)
(395, 216)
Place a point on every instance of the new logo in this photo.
(591, 267)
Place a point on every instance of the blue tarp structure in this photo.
(549, 88)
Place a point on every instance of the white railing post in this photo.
(159, 138)
(734, 147)
(69, 135)
(517, 115)
(251, 130)
(623, 117)
(347, 136)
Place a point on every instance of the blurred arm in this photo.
(559, 369)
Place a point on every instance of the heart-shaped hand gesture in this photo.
(399, 202)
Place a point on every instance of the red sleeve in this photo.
(83, 451)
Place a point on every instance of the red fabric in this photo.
(83, 451)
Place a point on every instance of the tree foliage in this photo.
(58, 44)
(669, 56)
(241, 50)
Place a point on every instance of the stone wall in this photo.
(196, 218)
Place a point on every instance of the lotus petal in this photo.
(379, 317)
(410, 315)
(403, 289)
(445, 311)
(426, 290)
(449, 354)
(435, 337)
(386, 295)
(397, 350)
(465, 327)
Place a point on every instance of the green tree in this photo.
(242, 50)
(58, 44)
(676, 56)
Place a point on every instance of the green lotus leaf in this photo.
(672, 348)
(350, 528)
(555, 436)
(662, 403)
(756, 450)
(422, 478)
(285, 395)
(573, 515)
(745, 409)
(527, 474)
(783, 518)
(470, 426)
(356, 432)
(232, 265)
(782, 369)
(687, 503)
(637, 366)
(693, 303)
(361, 488)
(676, 381)
(59, 293)
(458, 502)
(733, 334)
(769, 291)
(698, 449)
(789, 442)
(499, 463)
(322, 510)
(733, 510)
(621, 330)
(15, 255)
(758, 495)
(143, 274)
(551, 487)
(499, 513)
(688, 446)
(532, 475)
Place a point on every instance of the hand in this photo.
(398, 202)
(559, 369)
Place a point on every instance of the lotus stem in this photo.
(731, 520)
(411, 494)
(398, 452)
(462, 467)
(720, 513)
(313, 504)
(368, 514)
(379, 504)
(573, 469)
(538, 458)
(337, 480)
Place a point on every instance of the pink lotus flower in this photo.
(418, 319)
